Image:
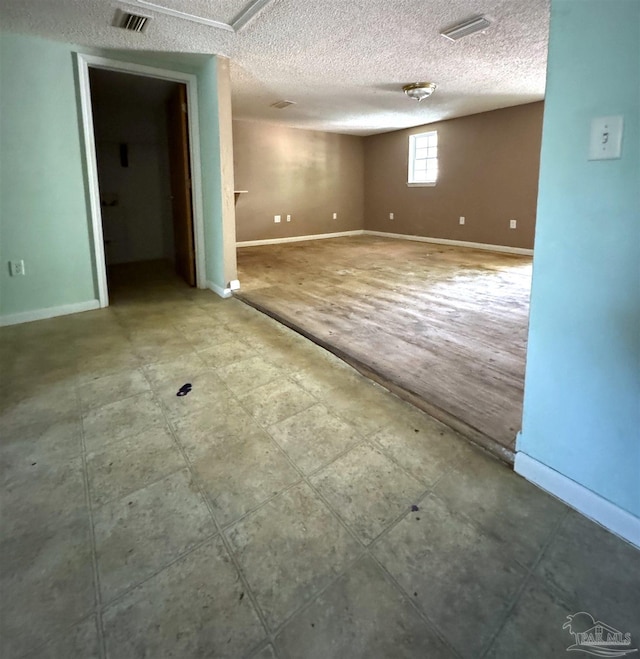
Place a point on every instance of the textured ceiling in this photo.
(342, 61)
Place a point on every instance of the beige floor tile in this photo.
(314, 437)
(207, 389)
(224, 354)
(196, 608)
(208, 334)
(242, 376)
(239, 473)
(48, 405)
(144, 531)
(454, 572)
(266, 652)
(79, 642)
(131, 464)
(42, 442)
(423, 447)
(594, 571)
(175, 372)
(502, 502)
(366, 406)
(362, 614)
(158, 349)
(276, 401)
(42, 495)
(121, 419)
(46, 583)
(367, 490)
(206, 427)
(100, 365)
(534, 628)
(290, 549)
(112, 388)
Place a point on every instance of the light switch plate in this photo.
(606, 138)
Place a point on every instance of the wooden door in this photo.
(181, 186)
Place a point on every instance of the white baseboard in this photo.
(590, 504)
(222, 292)
(298, 239)
(453, 243)
(49, 312)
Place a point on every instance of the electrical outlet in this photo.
(513, 224)
(277, 218)
(461, 220)
(391, 216)
(17, 268)
(335, 216)
(288, 218)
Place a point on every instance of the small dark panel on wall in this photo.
(124, 155)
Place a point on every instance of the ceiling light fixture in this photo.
(466, 28)
(419, 90)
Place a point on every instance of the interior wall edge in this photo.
(585, 501)
(48, 312)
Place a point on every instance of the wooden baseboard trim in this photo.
(49, 312)
(469, 432)
(586, 502)
(299, 239)
(453, 243)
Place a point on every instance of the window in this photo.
(423, 158)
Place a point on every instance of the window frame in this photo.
(411, 182)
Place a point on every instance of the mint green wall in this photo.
(211, 181)
(43, 209)
(44, 212)
(582, 388)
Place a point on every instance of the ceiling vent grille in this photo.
(466, 28)
(281, 105)
(132, 22)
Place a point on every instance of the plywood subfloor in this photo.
(445, 327)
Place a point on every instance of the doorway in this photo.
(141, 138)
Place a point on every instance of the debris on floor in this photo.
(184, 389)
(414, 508)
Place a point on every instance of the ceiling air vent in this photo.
(281, 105)
(131, 22)
(466, 28)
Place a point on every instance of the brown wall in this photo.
(307, 174)
(488, 173)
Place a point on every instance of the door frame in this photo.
(85, 62)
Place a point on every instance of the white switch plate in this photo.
(391, 216)
(606, 138)
(277, 218)
(461, 220)
(288, 218)
(335, 216)
(513, 224)
(17, 268)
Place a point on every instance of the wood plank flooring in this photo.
(444, 327)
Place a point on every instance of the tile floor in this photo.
(268, 512)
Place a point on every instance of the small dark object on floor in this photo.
(184, 389)
(415, 594)
(414, 508)
(415, 430)
(313, 624)
(418, 518)
(241, 596)
(33, 464)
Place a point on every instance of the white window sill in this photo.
(421, 185)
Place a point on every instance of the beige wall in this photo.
(307, 174)
(488, 173)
